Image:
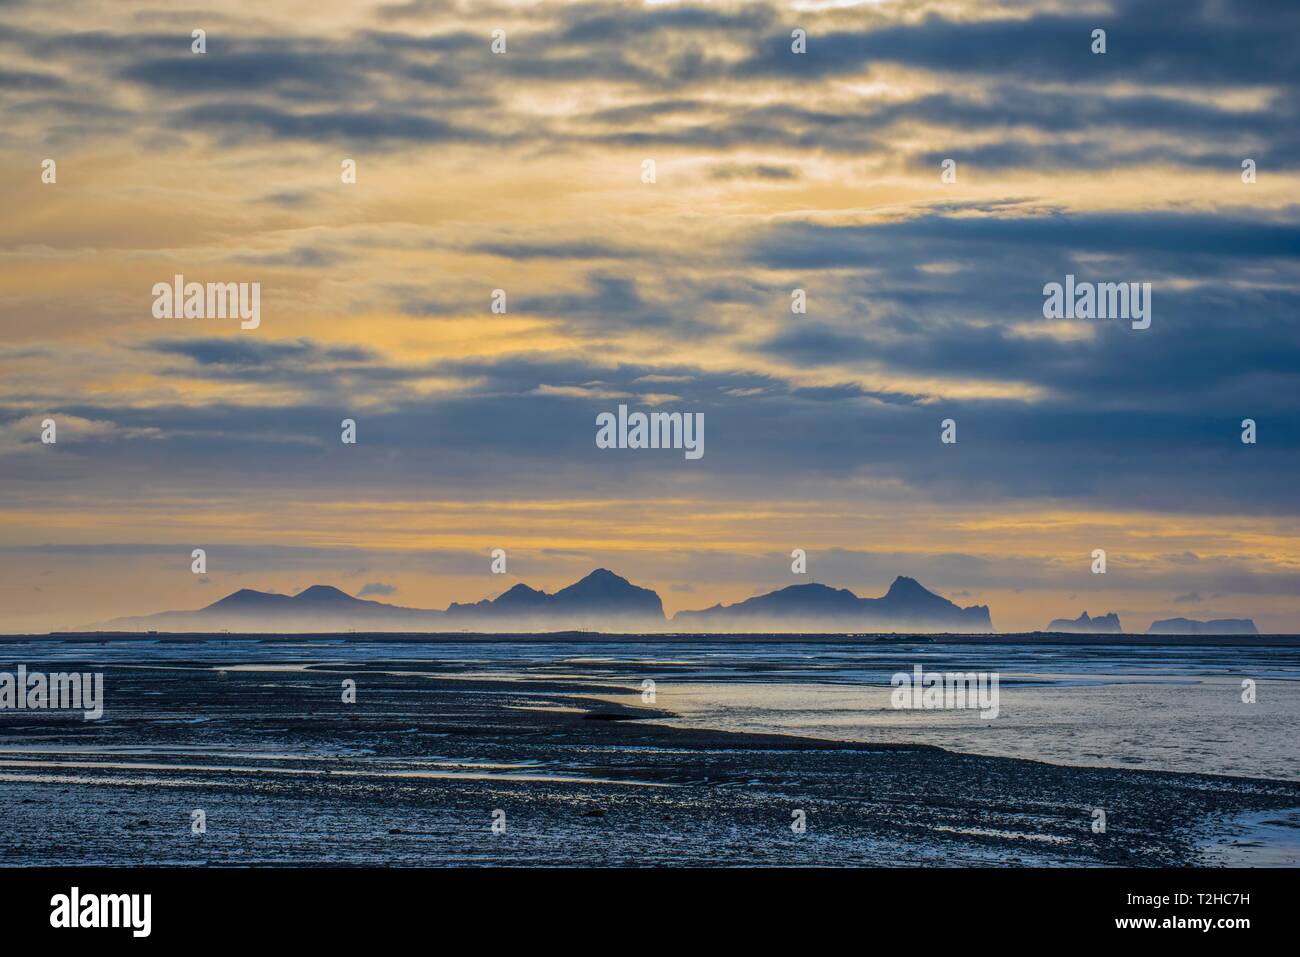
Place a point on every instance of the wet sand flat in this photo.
(412, 773)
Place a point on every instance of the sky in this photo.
(525, 171)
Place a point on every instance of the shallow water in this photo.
(1172, 708)
(1257, 839)
(1198, 725)
(446, 731)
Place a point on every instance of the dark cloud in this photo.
(26, 80)
(258, 353)
(290, 72)
(923, 304)
(766, 171)
(1208, 43)
(408, 88)
(588, 24)
(365, 126)
(303, 257)
(590, 249)
(1162, 235)
(609, 301)
(525, 427)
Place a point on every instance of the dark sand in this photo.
(288, 774)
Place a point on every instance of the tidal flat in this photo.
(434, 752)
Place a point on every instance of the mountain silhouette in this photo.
(1189, 626)
(908, 605)
(602, 589)
(518, 597)
(318, 608)
(246, 599)
(601, 595)
(600, 601)
(1107, 624)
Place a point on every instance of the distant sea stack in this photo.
(907, 606)
(1189, 626)
(1107, 624)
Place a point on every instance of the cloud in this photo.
(302, 257)
(405, 89)
(777, 171)
(24, 434)
(376, 588)
(374, 126)
(1164, 236)
(1209, 44)
(760, 171)
(591, 249)
(258, 353)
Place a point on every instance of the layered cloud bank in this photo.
(774, 171)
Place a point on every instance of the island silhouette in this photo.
(601, 600)
(607, 602)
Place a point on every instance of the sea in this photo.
(1167, 707)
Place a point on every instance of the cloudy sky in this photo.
(523, 171)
